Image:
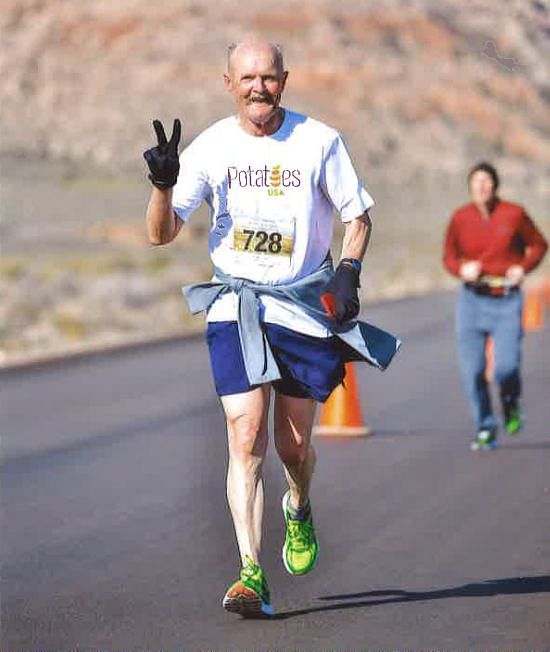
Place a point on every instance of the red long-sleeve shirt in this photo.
(507, 237)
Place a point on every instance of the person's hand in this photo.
(163, 159)
(470, 271)
(515, 274)
(343, 288)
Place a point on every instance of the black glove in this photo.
(343, 288)
(163, 159)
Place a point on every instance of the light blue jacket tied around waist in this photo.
(369, 343)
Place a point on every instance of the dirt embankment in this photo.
(419, 89)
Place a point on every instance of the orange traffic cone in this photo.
(532, 309)
(489, 359)
(341, 413)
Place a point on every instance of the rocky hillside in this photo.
(419, 87)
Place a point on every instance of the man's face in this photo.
(482, 189)
(256, 81)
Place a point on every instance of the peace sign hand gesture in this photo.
(163, 159)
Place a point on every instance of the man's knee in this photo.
(245, 435)
(472, 361)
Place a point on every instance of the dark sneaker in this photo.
(486, 440)
(513, 419)
(301, 547)
(249, 596)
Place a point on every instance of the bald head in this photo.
(254, 49)
(256, 79)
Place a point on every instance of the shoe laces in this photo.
(251, 571)
(253, 574)
(300, 534)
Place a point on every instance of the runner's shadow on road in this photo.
(490, 588)
(534, 445)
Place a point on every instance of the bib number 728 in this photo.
(263, 242)
(265, 239)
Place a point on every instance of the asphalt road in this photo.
(116, 535)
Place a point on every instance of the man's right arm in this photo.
(163, 225)
(451, 259)
(467, 270)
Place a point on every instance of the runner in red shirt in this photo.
(491, 245)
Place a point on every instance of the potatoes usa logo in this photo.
(274, 179)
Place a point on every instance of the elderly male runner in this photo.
(272, 178)
(491, 244)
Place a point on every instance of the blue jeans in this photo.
(477, 317)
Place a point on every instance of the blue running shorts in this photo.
(310, 367)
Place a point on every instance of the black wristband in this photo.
(353, 262)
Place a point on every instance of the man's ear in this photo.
(285, 77)
(227, 82)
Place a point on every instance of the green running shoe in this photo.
(249, 596)
(513, 419)
(301, 547)
(486, 440)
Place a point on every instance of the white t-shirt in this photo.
(272, 200)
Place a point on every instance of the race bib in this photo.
(267, 239)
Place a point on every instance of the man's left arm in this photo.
(535, 244)
(351, 199)
(345, 283)
(356, 237)
(535, 249)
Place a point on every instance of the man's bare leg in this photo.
(293, 424)
(246, 416)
